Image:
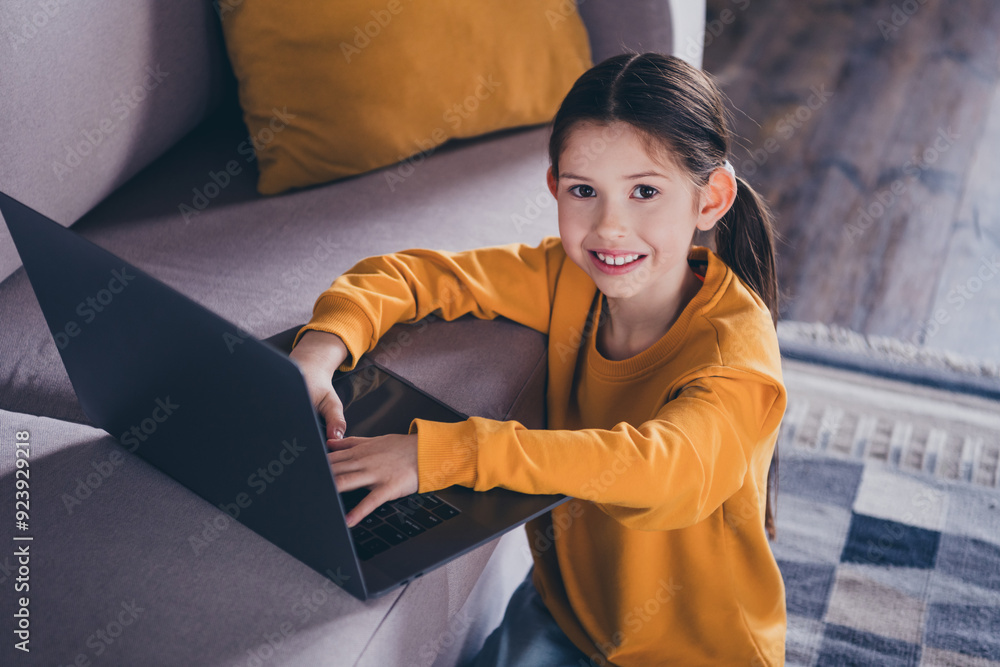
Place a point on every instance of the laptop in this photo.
(229, 417)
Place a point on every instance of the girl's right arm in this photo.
(514, 281)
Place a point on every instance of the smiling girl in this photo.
(664, 389)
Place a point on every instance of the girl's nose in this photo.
(610, 226)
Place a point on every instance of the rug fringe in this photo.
(883, 349)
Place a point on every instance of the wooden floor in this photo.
(873, 129)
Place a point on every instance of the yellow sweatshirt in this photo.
(661, 557)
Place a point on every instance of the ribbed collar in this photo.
(717, 276)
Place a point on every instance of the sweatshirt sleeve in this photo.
(666, 473)
(515, 281)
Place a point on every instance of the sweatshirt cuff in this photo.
(447, 454)
(343, 317)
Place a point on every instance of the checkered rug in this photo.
(888, 522)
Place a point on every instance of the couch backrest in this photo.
(89, 95)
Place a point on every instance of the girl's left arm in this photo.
(669, 472)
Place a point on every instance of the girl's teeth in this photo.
(616, 261)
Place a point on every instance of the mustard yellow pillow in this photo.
(334, 89)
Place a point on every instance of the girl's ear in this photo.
(717, 198)
(553, 183)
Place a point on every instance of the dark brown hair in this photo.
(678, 109)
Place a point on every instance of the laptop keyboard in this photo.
(396, 521)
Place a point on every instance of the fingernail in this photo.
(338, 434)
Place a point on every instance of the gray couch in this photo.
(122, 115)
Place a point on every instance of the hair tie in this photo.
(728, 167)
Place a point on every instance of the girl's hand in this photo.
(386, 464)
(318, 356)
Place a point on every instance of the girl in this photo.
(662, 419)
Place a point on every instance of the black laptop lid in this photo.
(222, 413)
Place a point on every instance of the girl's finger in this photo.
(345, 466)
(367, 505)
(351, 480)
(339, 455)
(345, 443)
(333, 413)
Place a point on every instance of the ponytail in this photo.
(744, 240)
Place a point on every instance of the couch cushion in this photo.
(261, 262)
(335, 90)
(117, 541)
(91, 97)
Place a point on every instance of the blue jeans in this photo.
(528, 636)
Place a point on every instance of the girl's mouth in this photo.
(615, 264)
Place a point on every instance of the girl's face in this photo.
(628, 218)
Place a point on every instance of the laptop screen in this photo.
(378, 403)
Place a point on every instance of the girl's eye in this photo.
(645, 191)
(582, 191)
